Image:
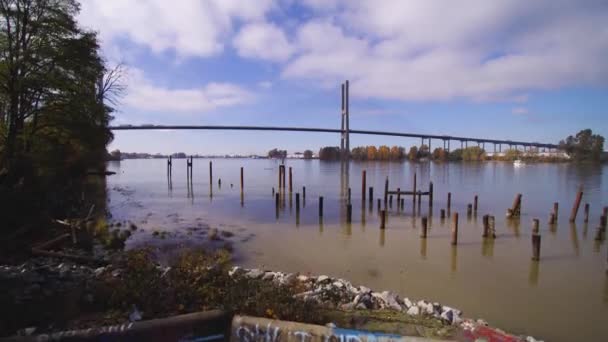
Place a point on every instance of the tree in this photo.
(423, 152)
(413, 154)
(474, 153)
(456, 155)
(384, 153)
(329, 153)
(359, 153)
(115, 155)
(279, 154)
(308, 154)
(512, 154)
(372, 152)
(584, 146)
(397, 153)
(439, 154)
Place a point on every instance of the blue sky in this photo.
(508, 69)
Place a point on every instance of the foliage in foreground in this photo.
(199, 280)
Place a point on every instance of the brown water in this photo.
(564, 297)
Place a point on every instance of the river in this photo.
(564, 297)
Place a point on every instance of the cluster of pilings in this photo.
(385, 204)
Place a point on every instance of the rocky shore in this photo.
(43, 279)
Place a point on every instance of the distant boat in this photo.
(518, 163)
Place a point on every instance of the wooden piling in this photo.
(576, 205)
(379, 204)
(424, 227)
(535, 226)
(242, 179)
(385, 192)
(284, 177)
(603, 221)
(273, 191)
(382, 219)
(348, 200)
(431, 194)
(371, 195)
(276, 201)
(536, 247)
(398, 196)
(297, 202)
(349, 213)
(320, 206)
(419, 198)
(556, 210)
(475, 201)
(390, 201)
(210, 173)
(469, 209)
(455, 229)
(486, 225)
(449, 202)
(363, 185)
(442, 214)
(304, 193)
(290, 181)
(515, 210)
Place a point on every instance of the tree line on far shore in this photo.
(584, 146)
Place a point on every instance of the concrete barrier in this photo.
(217, 325)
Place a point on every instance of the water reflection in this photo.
(574, 239)
(487, 248)
(454, 260)
(534, 273)
(382, 236)
(423, 248)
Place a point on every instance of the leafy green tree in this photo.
(439, 154)
(413, 153)
(456, 155)
(279, 154)
(584, 146)
(329, 153)
(474, 153)
(308, 154)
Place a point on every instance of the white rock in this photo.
(268, 276)
(413, 311)
(322, 278)
(407, 302)
(338, 284)
(364, 289)
(302, 278)
(135, 315)
(255, 273)
(99, 271)
(233, 270)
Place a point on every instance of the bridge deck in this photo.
(333, 130)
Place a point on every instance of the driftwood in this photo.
(80, 258)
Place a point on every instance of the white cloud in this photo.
(144, 95)
(425, 50)
(264, 41)
(436, 50)
(520, 111)
(188, 27)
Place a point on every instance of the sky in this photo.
(503, 69)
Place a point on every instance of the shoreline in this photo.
(46, 276)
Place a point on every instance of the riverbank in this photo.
(132, 286)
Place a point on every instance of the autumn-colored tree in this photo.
(439, 154)
(384, 153)
(397, 153)
(372, 152)
(359, 153)
(473, 153)
(413, 154)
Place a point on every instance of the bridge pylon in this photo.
(345, 128)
